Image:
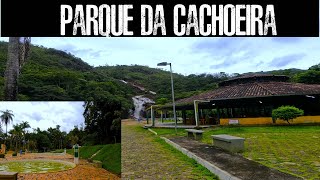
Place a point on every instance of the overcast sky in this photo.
(193, 55)
(45, 114)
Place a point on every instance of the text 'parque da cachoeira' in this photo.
(203, 20)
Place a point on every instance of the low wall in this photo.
(268, 120)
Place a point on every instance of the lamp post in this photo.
(173, 103)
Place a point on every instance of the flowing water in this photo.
(139, 102)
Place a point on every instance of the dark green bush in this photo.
(14, 154)
(286, 113)
(2, 155)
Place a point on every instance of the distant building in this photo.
(250, 100)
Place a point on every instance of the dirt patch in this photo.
(232, 163)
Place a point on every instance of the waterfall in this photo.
(139, 102)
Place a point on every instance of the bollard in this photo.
(65, 151)
(76, 154)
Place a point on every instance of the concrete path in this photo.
(234, 164)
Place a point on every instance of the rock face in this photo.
(139, 102)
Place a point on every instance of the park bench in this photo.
(8, 175)
(227, 142)
(193, 133)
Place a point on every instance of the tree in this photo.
(6, 117)
(18, 50)
(116, 128)
(12, 70)
(162, 101)
(73, 139)
(287, 113)
(16, 135)
(308, 77)
(24, 125)
(315, 67)
(100, 115)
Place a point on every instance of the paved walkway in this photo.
(234, 164)
(144, 158)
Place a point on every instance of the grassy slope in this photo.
(109, 155)
(87, 151)
(291, 149)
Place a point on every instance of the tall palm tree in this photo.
(6, 117)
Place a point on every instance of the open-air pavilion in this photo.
(247, 100)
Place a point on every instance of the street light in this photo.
(173, 103)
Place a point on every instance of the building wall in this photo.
(268, 120)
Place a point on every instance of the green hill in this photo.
(51, 74)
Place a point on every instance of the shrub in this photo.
(2, 155)
(287, 113)
(14, 154)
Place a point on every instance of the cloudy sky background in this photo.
(193, 55)
(45, 114)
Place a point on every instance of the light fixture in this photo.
(310, 96)
(173, 102)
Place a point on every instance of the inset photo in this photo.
(60, 140)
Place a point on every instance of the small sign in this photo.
(233, 121)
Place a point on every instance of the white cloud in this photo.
(45, 114)
(191, 55)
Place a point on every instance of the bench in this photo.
(227, 142)
(8, 175)
(193, 133)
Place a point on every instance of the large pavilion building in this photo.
(249, 100)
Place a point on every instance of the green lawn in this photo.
(86, 152)
(58, 151)
(109, 155)
(291, 149)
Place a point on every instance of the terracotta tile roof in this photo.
(254, 78)
(255, 89)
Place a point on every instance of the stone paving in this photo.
(144, 158)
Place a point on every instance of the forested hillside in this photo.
(51, 74)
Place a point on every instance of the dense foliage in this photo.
(102, 120)
(159, 81)
(51, 74)
(287, 113)
(102, 126)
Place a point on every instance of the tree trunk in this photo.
(12, 70)
(6, 131)
(16, 145)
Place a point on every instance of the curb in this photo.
(223, 175)
(153, 131)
